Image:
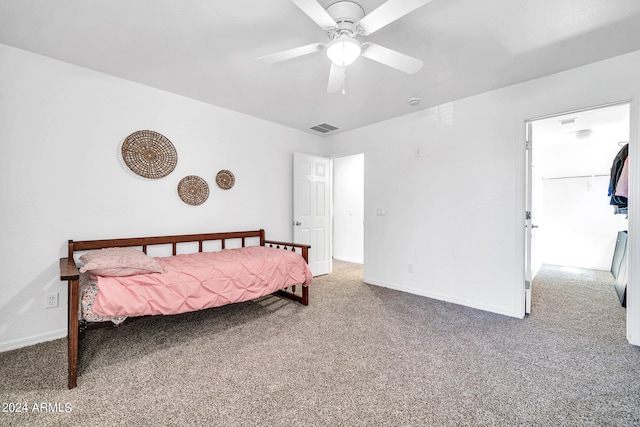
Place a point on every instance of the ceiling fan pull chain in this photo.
(344, 79)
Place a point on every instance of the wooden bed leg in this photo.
(304, 299)
(72, 333)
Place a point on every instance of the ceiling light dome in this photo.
(344, 50)
(584, 133)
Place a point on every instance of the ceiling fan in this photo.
(344, 22)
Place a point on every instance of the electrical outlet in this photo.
(409, 268)
(51, 300)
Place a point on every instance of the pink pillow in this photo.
(119, 262)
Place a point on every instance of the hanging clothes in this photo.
(616, 171)
(622, 188)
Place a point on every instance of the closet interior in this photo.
(580, 189)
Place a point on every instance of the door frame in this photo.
(633, 285)
(333, 204)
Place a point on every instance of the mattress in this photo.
(194, 282)
(88, 293)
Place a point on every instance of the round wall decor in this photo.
(225, 179)
(193, 190)
(149, 154)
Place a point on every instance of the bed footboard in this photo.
(293, 247)
(304, 251)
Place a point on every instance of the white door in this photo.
(528, 276)
(532, 265)
(311, 209)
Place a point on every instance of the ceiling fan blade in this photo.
(388, 12)
(315, 11)
(392, 58)
(293, 53)
(336, 79)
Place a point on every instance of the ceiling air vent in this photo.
(324, 128)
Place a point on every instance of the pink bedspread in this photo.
(202, 280)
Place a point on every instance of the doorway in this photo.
(348, 208)
(572, 222)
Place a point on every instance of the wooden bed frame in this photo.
(69, 272)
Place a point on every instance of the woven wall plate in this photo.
(225, 179)
(149, 154)
(193, 190)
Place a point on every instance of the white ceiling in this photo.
(207, 50)
(580, 143)
(609, 124)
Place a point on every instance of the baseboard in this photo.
(346, 259)
(37, 339)
(443, 297)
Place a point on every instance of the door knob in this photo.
(298, 223)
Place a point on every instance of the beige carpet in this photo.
(358, 355)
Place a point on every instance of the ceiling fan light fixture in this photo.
(344, 50)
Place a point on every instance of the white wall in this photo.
(348, 208)
(579, 226)
(424, 211)
(457, 212)
(60, 129)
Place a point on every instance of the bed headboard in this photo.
(239, 239)
(144, 242)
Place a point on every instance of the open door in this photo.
(528, 276)
(311, 209)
